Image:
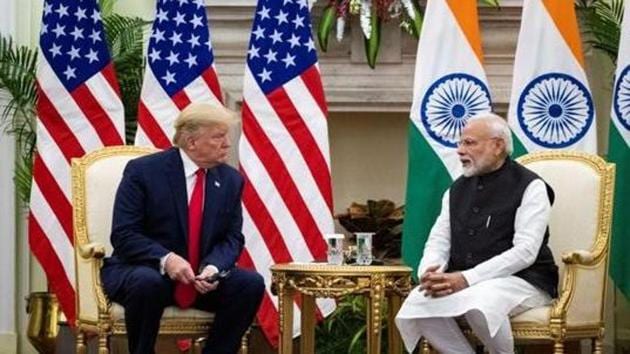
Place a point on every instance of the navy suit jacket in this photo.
(151, 213)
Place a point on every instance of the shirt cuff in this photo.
(213, 268)
(163, 263)
(471, 276)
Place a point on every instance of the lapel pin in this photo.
(217, 184)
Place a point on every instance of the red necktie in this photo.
(185, 294)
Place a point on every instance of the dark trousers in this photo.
(144, 294)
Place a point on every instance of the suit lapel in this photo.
(177, 181)
(212, 200)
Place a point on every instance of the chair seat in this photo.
(172, 312)
(537, 315)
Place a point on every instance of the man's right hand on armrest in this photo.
(179, 269)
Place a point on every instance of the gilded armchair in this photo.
(580, 233)
(580, 237)
(95, 178)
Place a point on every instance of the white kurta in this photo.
(493, 290)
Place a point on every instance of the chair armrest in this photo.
(92, 304)
(582, 289)
(580, 257)
(92, 250)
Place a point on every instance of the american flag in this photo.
(283, 151)
(78, 110)
(179, 70)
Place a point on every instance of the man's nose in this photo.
(460, 149)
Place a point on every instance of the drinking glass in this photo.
(335, 248)
(364, 248)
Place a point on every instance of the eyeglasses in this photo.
(469, 142)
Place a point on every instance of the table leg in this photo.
(307, 339)
(394, 341)
(374, 315)
(285, 304)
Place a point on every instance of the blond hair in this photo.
(197, 115)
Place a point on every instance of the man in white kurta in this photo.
(489, 292)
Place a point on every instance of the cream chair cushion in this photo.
(170, 313)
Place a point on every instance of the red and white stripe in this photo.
(287, 198)
(69, 124)
(157, 110)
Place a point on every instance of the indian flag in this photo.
(551, 106)
(449, 86)
(619, 153)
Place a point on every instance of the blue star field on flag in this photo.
(281, 46)
(73, 41)
(179, 48)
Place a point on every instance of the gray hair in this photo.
(498, 126)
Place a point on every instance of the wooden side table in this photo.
(313, 280)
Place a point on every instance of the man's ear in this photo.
(500, 146)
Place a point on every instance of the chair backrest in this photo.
(95, 180)
(581, 214)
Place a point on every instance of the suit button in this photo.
(480, 187)
(475, 210)
(471, 232)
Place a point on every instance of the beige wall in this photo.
(368, 157)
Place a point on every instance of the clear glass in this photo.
(335, 248)
(364, 248)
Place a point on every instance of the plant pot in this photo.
(43, 310)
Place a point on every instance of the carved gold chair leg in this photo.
(103, 347)
(245, 342)
(558, 347)
(80, 342)
(598, 346)
(425, 348)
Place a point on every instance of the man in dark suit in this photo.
(177, 221)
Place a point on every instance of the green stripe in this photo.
(619, 153)
(427, 179)
(519, 148)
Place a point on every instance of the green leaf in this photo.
(602, 22)
(416, 22)
(17, 115)
(326, 25)
(373, 43)
(125, 38)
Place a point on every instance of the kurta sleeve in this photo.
(438, 246)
